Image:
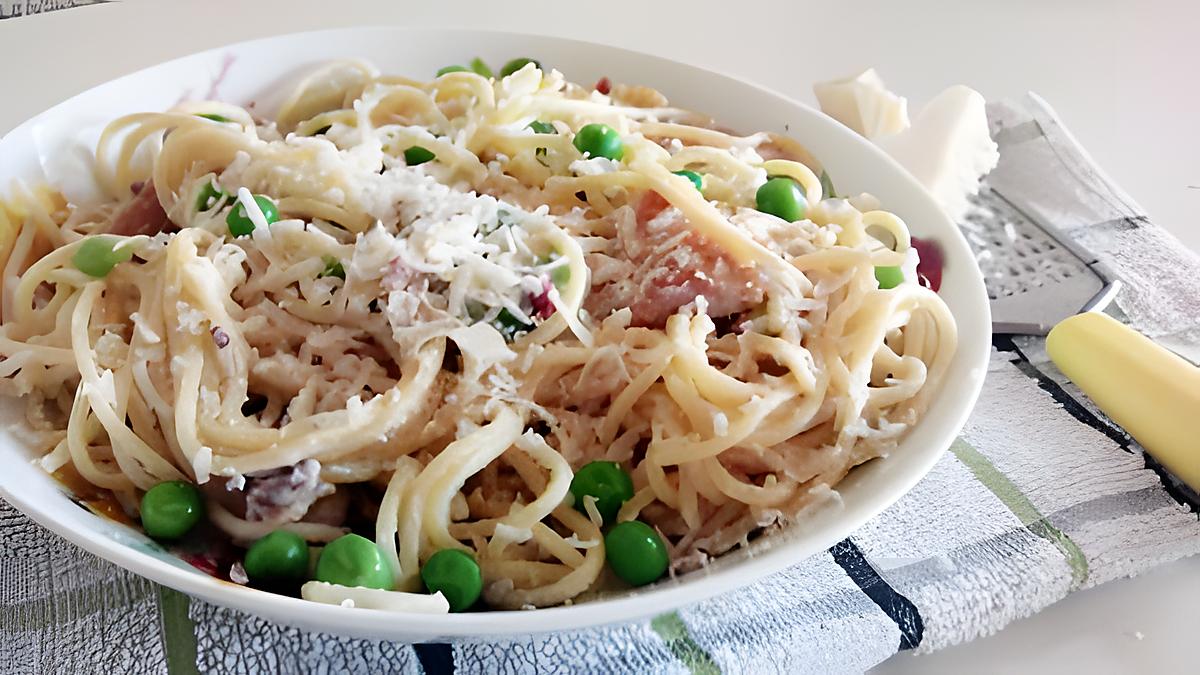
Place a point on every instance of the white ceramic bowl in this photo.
(258, 71)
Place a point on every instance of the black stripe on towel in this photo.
(864, 575)
(1005, 343)
(1174, 487)
(437, 658)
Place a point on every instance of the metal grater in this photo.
(1033, 279)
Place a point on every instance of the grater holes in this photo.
(1014, 254)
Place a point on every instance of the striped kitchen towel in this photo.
(1040, 496)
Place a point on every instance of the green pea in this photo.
(503, 219)
(480, 68)
(417, 155)
(214, 117)
(540, 127)
(560, 276)
(97, 256)
(607, 482)
(517, 64)
(351, 560)
(333, 268)
(170, 509)
(827, 185)
(210, 197)
(636, 553)
(782, 197)
(509, 325)
(889, 277)
(240, 224)
(599, 140)
(279, 556)
(696, 179)
(451, 69)
(456, 574)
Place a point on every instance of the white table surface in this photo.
(1121, 75)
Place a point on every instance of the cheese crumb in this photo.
(190, 318)
(720, 424)
(202, 464)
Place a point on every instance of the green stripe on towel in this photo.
(671, 628)
(178, 631)
(1016, 501)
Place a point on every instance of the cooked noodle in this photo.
(503, 315)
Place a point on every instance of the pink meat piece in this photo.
(769, 150)
(543, 308)
(143, 215)
(398, 275)
(670, 267)
(285, 495)
(930, 263)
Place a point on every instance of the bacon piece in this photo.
(330, 509)
(542, 306)
(220, 337)
(284, 495)
(777, 146)
(930, 263)
(202, 561)
(672, 266)
(398, 275)
(289, 494)
(143, 215)
(638, 96)
(650, 205)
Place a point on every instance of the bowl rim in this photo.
(655, 600)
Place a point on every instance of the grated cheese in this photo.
(574, 541)
(190, 319)
(508, 534)
(483, 344)
(144, 331)
(106, 389)
(595, 166)
(720, 424)
(202, 464)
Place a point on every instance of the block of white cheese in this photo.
(864, 104)
(947, 148)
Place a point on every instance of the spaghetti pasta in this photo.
(403, 303)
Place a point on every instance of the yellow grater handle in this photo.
(1152, 393)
